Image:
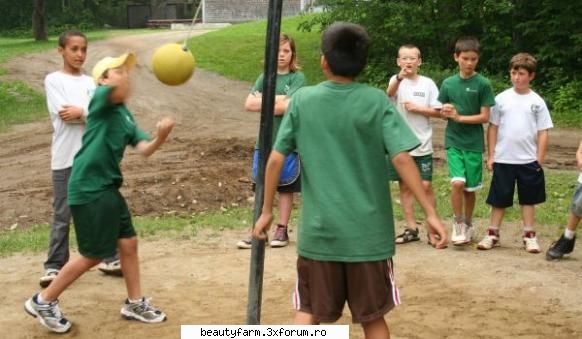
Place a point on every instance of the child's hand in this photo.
(450, 112)
(490, 163)
(436, 232)
(410, 106)
(262, 226)
(69, 112)
(164, 127)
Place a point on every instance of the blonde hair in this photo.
(294, 63)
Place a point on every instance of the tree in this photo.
(39, 21)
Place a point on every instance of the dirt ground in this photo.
(455, 293)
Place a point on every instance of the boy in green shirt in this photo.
(100, 214)
(343, 131)
(467, 98)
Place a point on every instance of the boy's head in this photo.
(345, 49)
(409, 59)
(287, 53)
(113, 69)
(73, 48)
(522, 70)
(467, 55)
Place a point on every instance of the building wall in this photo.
(233, 11)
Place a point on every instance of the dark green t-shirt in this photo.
(287, 84)
(343, 133)
(468, 96)
(110, 128)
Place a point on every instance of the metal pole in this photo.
(265, 135)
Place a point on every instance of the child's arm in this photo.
(393, 85)
(58, 105)
(491, 142)
(411, 177)
(164, 127)
(543, 139)
(427, 111)
(272, 173)
(579, 156)
(255, 100)
(450, 112)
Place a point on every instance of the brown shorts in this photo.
(323, 287)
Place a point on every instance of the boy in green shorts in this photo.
(343, 131)
(415, 97)
(467, 98)
(100, 214)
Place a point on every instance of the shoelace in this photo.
(531, 242)
(458, 228)
(144, 306)
(50, 310)
(280, 233)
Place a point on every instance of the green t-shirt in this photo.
(110, 128)
(287, 84)
(343, 133)
(468, 96)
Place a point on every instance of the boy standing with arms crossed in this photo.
(415, 97)
(565, 244)
(101, 216)
(517, 140)
(68, 92)
(466, 98)
(343, 131)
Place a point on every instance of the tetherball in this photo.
(173, 64)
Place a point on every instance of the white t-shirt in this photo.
(580, 178)
(422, 91)
(519, 117)
(66, 89)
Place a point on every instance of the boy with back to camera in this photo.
(415, 97)
(343, 130)
(466, 98)
(100, 214)
(68, 92)
(517, 140)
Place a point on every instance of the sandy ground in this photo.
(454, 293)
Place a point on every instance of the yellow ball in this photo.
(173, 64)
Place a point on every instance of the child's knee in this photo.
(458, 185)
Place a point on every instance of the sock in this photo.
(494, 229)
(569, 234)
(458, 219)
(528, 231)
(39, 300)
(134, 301)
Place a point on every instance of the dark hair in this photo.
(67, 34)
(467, 44)
(345, 47)
(525, 61)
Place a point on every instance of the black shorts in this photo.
(323, 287)
(291, 188)
(531, 186)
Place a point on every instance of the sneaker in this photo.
(111, 268)
(49, 315)
(530, 242)
(281, 238)
(48, 277)
(245, 244)
(560, 247)
(491, 240)
(459, 234)
(142, 311)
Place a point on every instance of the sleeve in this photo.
(495, 115)
(258, 86)
(55, 98)
(286, 142)
(544, 120)
(443, 97)
(100, 101)
(433, 101)
(297, 82)
(393, 99)
(487, 98)
(398, 137)
(138, 135)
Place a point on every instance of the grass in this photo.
(237, 52)
(551, 216)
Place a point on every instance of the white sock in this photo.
(134, 301)
(40, 300)
(569, 234)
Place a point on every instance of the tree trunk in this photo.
(39, 22)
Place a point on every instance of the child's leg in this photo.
(528, 216)
(303, 318)
(457, 195)
(573, 221)
(469, 198)
(376, 329)
(58, 253)
(130, 266)
(285, 207)
(497, 216)
(407, 202)
(68, 274)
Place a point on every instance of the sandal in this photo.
(408, 235)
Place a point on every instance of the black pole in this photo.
(265, 144)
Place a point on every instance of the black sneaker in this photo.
(560, 247)
(281, 238)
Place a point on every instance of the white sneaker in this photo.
(48, 277)
(530, 242)
(459, 234)
(491, 240)
(111, 268)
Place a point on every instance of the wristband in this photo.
(398, 78)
